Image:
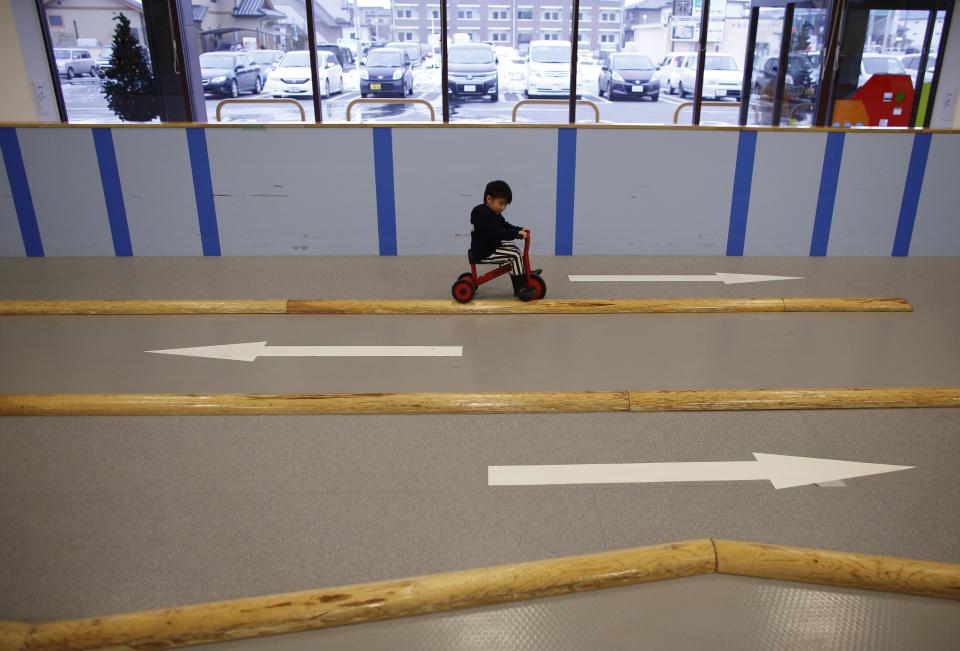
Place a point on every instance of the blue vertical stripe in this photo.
(386, 200)
(566, 180)
(112, 192)
(742, 182)
(911, 193)
(20, 189)
(203, 190)
(832, 156)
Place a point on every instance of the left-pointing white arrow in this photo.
(781, 471)
(249, 352)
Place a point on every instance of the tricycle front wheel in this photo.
(463, 290)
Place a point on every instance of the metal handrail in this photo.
(596, 110)
(683, 105)
(287, 100)
(384, 100)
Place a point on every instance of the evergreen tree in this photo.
(129, 85)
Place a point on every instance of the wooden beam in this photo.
(494, 306)
(840, 569)
(370, 602)
(763, 399)
(136, 404)
(96, 307)
(13, 636)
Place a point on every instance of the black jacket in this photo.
(489, 230)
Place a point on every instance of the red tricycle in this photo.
(467, 283)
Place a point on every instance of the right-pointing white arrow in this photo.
(782, 471)
(726, 279)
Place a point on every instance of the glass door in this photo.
(884, 45)
(116, 63)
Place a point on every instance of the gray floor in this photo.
(718, 612)
(101, 515)
(559, 352)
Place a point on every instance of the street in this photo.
(86, 103)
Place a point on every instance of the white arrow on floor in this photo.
(249, 352)
(781, 471)
(726, 279)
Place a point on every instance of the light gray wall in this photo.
(653, 192)
(869, 193)
(937, 229)
(439, 176)
(67, 193)
(294, 191)
(11, 242)
(946, 113)
(784, 193)
(35, 57)
(158, 193)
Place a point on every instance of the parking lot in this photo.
(86, 103)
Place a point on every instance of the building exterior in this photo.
(511, 22)
(90, 20)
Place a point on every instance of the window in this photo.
(551, 36)
(435, 14)
(499, 14)
(609, 16)
(524, 14)
(466, 14)
(55, 21)
(500, 37)
(551, 15)
(608, 38)
(406, 36)
(407, 14)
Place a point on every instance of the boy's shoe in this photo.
(518, 282)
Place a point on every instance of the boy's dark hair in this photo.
(498, 190)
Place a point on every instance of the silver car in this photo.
(73, 62)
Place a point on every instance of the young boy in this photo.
(491, 233)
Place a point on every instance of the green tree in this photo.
(129, 85)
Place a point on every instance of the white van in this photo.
(548, 70)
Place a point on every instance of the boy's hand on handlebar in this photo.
(524, 233)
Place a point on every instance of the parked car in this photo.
(411, 48)
(341, 53)
(669, 68)
(629, 74)
(103, 60)
(722, 76)
(472, 71)
(292, 78)
(388, 71)
(229, 73)
(878, 64)
(548, 70)
(73, 62)
(800, 82)
(911, 63)
(267, 60)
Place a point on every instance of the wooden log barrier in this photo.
(839, 569)
(530, 402)
(763, 399)
(135, 404)
(450, 307)
(315, 609)
(370, 602)
(142, 307)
